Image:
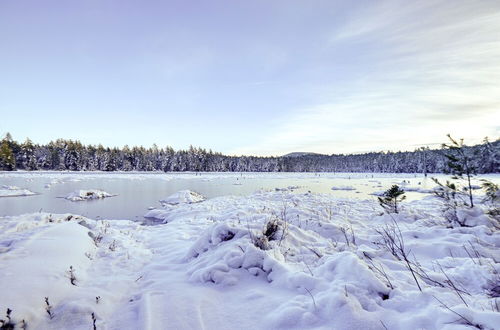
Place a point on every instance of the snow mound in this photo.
(160, 215)
(13, 191)
(322, 259)
(183, 197)
(344, 188)
(473, 217)
(83, 195)
(227, 255)
(73, 261)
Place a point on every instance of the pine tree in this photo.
(28, 158)
(7, 158)
(390, 198)
(460, 164)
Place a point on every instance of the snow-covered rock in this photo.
(83, 195)
(183, 197)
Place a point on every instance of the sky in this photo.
(251, 77)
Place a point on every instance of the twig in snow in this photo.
(452, 284)
(344, 231)
(315, 252)
(380, 269)
(112, 246)
(312, 297)
(71, 274)
(309, 268)
(466, 320)
(48, 308)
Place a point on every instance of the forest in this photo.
(74, 156)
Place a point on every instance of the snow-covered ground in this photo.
(219, 264)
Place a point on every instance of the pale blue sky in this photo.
(251, 77)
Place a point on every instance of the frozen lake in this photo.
(136, 192)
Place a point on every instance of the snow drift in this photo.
(183, 196)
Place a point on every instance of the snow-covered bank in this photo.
(272, 260)
(13, 191)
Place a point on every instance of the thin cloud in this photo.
(430, 69)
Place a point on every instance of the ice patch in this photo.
(13, 191)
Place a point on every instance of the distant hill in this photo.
(300, 154)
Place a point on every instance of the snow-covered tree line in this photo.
(73, 155)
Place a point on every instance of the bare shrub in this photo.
(48, 308)
(392, 240)
(71, 275)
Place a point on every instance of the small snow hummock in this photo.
(344, 188)
(83, 195)
(183, 197)
(13, 191)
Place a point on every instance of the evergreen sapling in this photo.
(390, 199)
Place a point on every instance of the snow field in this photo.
(210, 266)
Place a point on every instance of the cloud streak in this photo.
(428, 69)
